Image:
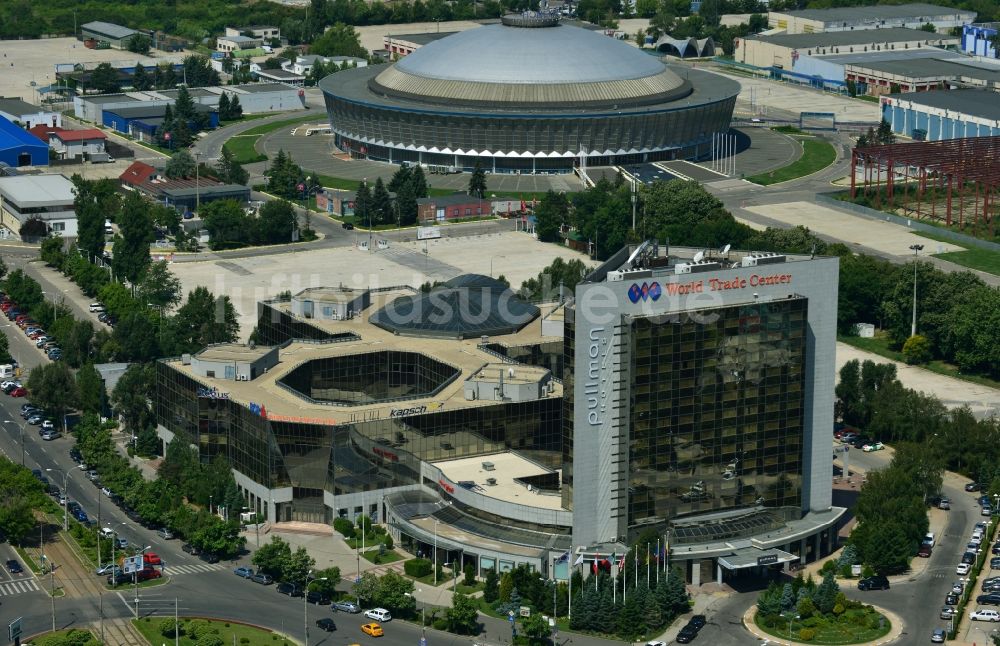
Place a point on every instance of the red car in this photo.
(924, 551)
(18, 392)
(36, 334)
(149, 573)
(151, 558)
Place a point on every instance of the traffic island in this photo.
(864, 625)
(196, 630)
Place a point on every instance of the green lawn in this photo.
(471, 589)
(242, 148)
(880, 345)
(973, 257)
(817, 154)
(868, 97)
(390, 556)
(63, 636)
(839, 630)
(152, 583)
(30, 562)
(230, 633)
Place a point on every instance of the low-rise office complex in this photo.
(863, 18)
(675, 395)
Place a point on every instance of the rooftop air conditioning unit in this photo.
(491, 482)
(489, 466)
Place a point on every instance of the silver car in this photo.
(346, 606)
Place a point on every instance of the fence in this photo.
(872, 214)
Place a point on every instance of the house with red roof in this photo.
(71, 144)
(137, 174)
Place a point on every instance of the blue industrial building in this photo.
(142, 121)
(937, 115)
(977, 39)
(18, 147)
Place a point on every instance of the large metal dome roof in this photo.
(509, 65)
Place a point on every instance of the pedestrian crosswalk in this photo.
(18, 587)
(197, 568)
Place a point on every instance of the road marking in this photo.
(127, 606)
(18, 587)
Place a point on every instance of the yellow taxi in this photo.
(372, 629)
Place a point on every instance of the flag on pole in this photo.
(563, 558)
(578, 561)
(621, 562)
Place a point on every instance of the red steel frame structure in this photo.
(964, 172)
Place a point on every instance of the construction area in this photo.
(954, 182)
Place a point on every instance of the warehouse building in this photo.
(830, 70)
(18, 147)
(978, 39)
(451, 207)
(46, 197)
(143, 120)
(922, 74)
(29, 116)
(933, 116)
(254, 98)
(73, 144)
(115, 35)
(911, 16)
(782, 50)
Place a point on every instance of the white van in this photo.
(96, 308)
(107, 228)
(378, 614)
(107, 532)
(6, 370)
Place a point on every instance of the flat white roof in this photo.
(28, 189)
(506, 467)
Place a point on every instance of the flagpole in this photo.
(614, 583)
(569, 599)
(647, 564)
(635, 565)
(666, 554)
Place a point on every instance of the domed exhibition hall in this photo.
(528, 95)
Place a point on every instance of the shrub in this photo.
(344, 526)
(440, 624)
(829, 566)
(806, 634)
(867, 571)
(838, 609)
(388, 542)
(418, 567)
(167, 626)
(244, 640)
(917, 350)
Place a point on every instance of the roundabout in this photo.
(845, 629)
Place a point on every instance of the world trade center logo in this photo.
(646, 291)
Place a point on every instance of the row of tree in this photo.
(20, 494)
(230, 226)
(195, 71)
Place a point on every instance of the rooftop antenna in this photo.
(725, 250)
(699, 256)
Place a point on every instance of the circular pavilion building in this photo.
(528, 95)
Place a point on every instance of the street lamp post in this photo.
(435, 552)
(916, 248)
(197, 182)
(305, 607)
(65, 473)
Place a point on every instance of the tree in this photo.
(339, 40)
(131, 395)
(550, 214)
(928, 27)
(135, 233)
(276, 223)
(33, 228)
(418, 183)
(272, 558)
(298, 567)
(381, 203)
(4, 349)
(104, 79)
(537, 629)
(326, 581)
(363, 204)
(205, 319)
(470, 574)
(53, 388)
(825, 596)
(140, 79)
(136, 337)
(228, 225)
(229, 170)
(159, 287)
(917, 350)
(558, 274)
(91, 388)
(180, 166)
(491, 589)
(884, 135)
(235, 109)
(224, 111)
(477, 182)
(463, 615)
(139, 44)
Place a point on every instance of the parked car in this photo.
(347, 225)
(969, 558)
(848, 437)
(96, 307)
(346, 606)
(924, 551)
(290, 589)
(937, 637)
(119, 578)
(372, 629)
(326, 624)
(874, 446)
(51, 435)
(318, 598)
(991, 599)
(165, 533)
(962, 569)
(951, 599)
(190, 549)
(995, 563)
(973, 486)
(986, 511)
(107, 569)
(379, 614)
(958, 587)
(151, 558)
(261, 578)
(877, 582)
(984, 614)
(149, 573)
(244, 572)
(209, 557)
(686, 635)
(947, 612)
(18, 392)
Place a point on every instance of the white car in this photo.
(96, 307)
(47, 425)
(963, 569)
(378, 614)
(984, 614)
(105, 491)
(875, 446)
(929, 539)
